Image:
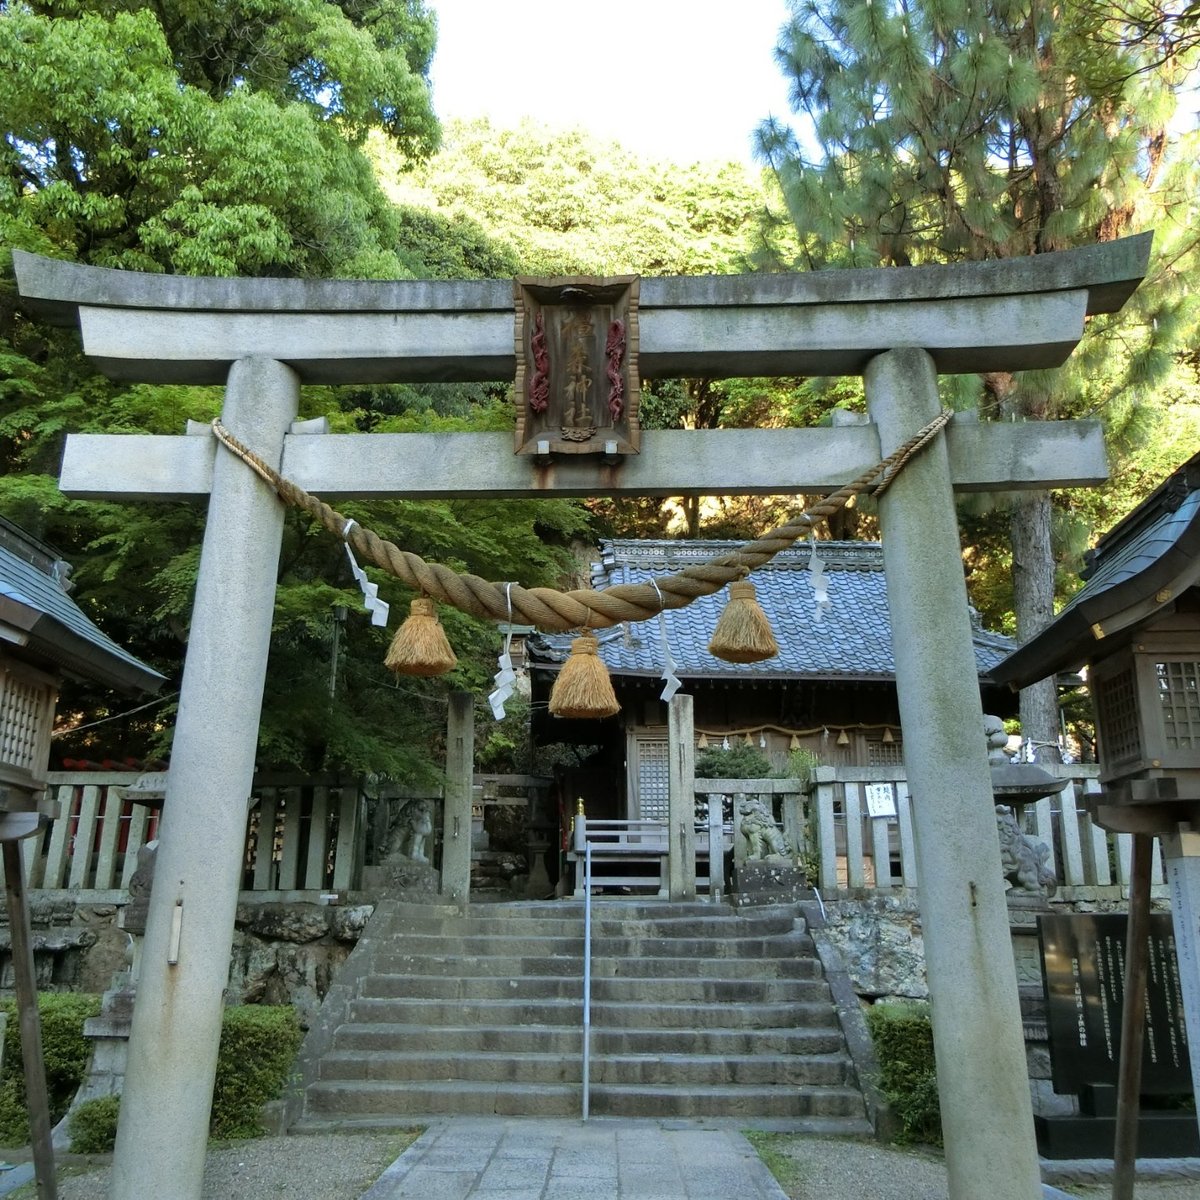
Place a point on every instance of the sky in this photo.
(686, 80)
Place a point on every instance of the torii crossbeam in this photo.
(264, 338)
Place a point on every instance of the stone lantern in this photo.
(43, 634)
(1147, 698)
(1135, 628)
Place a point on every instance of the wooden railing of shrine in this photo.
(305, 837)
(316, 832)
(852, 846)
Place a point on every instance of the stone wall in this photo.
(878, 938)
(282, 953)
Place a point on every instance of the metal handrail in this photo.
(587, 976)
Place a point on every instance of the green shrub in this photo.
(64, 1049)
(258, 1045)
(738, 762)
(903, 1037)
(93, 1125)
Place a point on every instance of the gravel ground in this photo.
(326, 1167)
(343, 1167)
(811, 1168)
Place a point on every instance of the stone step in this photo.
(617, 989)
(360, 1098)
(568, 916)
(382, 1037)
(520, 946)
(514, 966)
(346, 1099)
(669, 1070)
(616, 1100)
(682, 926)
(608, 1014)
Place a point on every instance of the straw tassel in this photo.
(743, 634)
(583, 688)
(420, 646)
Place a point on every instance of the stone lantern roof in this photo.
(41, 624)
(1140, 567)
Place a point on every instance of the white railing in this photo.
(300, 838)
(856, 849)
(635, 854)
(587, 979)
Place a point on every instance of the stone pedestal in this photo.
(538, 885)
(403, 879)
(109, 1035)
(769, 881)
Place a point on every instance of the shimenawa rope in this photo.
(555, 611)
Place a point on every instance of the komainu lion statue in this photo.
(410, 832)
(1025, 863)
(757, 826)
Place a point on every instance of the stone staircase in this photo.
(697, 1011)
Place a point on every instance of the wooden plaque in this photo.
(577, 388)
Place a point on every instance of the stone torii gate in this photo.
(263, 339)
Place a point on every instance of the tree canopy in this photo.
(954, 131)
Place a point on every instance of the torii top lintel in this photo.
(1010, 314)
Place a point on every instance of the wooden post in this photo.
(25, 981)
(681, 799)
(456, 820)
(852, 806)
(1133, 1020)
(716, 849)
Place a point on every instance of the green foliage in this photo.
(566, 202)
(93, 1125)
(903, 1037)
(64, 1050)
(212, 140)
(740, 761)
(258, 1045)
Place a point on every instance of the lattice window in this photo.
(884, 754)
(652, 784)
(1179, 693)
(24, 714)
(1116, 700)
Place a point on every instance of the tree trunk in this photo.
(1033, 603)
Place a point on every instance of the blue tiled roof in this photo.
(64, 633)
(851, 640)
(1130, 557)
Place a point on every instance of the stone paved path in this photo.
(494, 1158)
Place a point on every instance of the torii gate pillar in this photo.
(987, 1116)
(185, 960)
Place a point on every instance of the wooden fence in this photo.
(315, 831)
(859, 850)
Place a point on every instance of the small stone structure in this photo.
(765, 870)
(762, 838)
(411, 832)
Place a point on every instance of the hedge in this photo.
(258, 1046)
(64, 1049)
(903, 1037)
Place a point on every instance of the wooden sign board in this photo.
(577, 386)
(881, 800)
(1083, 966)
